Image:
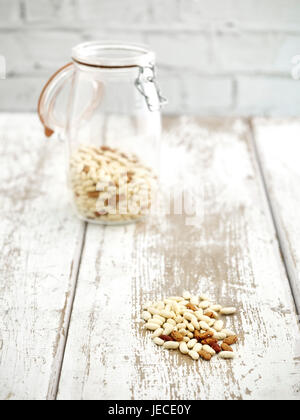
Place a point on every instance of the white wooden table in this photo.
(71, 293)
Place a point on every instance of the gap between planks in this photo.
(285, 253)
(66, 319)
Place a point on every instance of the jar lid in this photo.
(113, 55)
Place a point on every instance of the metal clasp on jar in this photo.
(147, 85)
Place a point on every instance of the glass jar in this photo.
(111, 119)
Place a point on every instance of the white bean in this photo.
(157, 321)
(168, 329)
(171, 321)
(228, 333)
(186, 339)
(219, 336)
(199, 314)
(208, 349)
(204, 297)
(153, 310)
(165, 314)
(226, 355)
(159, 317)
(216, 308)
(183, 331)
(204, 325)
(186, 295)
(228, 311)
(190, 334)
(204, 305)
(189, 316)
(146, 316)
(151, 326)
(158, 341)
(218, 326)
(157, 333)
(183, 348)
(192, 343)
(171, 345)
(194, 300)
(193, 354)
(191, 327)
(197, 347)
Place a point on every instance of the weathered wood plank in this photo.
(230, 252)
(40, 243)
(278, 144)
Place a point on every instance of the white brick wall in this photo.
(219, 57)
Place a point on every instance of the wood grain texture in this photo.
(278, 143)
(230, 252)
(40, 242)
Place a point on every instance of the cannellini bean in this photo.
(151, 326)
(189, 316)
(216, 308)
(191, 327)
(158, 341)
(157, 321)
(179, 319)
(186, 295)
(165, 314)
(192, 343)
(176, 298)
(199, 314)
(146, 316)
(168, 308)
(205, 318)
(197, 347)
(171, 321)
(175, 307)
(168, 329)
(228, 333)
(208, 349)
(194, 300)
(204, 305)
(153, 310)
(218, 325)
(171, 345)
(195, 325)
(160, 305)
(183, 348)
(183, 331)
(204, 325)
(226, 355)
(228, 311)
(186, 339)
(193, 354)
(204, 297)
(219, 336)
(157, 333)
(159, 317)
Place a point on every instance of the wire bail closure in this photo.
(147, 85)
